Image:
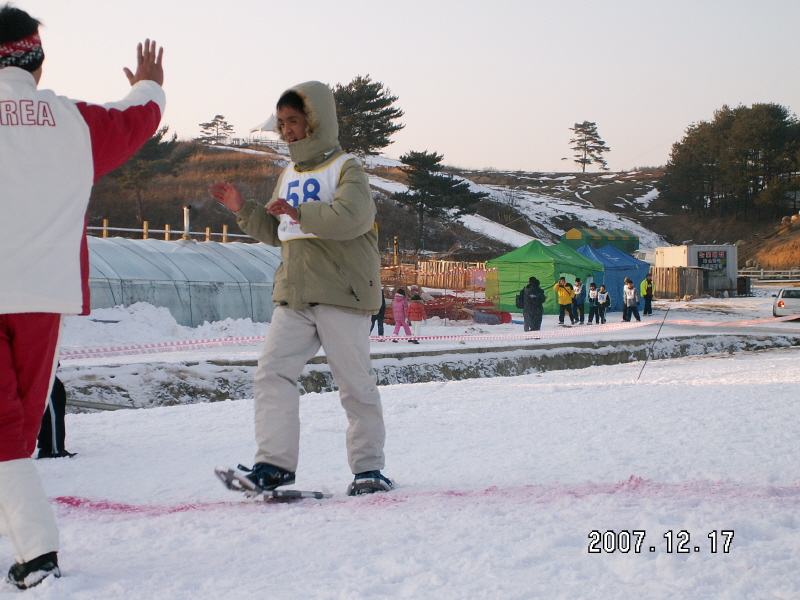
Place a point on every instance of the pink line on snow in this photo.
(634, 487)
(118, 508)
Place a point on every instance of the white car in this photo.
(786, 303)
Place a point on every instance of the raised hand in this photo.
(227, 194)
(148, 64)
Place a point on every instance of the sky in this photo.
(486, 84)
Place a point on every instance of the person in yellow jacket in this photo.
(565, 296)
(646, 291)
(321, 215)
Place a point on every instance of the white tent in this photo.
(268, 125)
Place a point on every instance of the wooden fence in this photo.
(167, 233)
(671, 283)
(439, 274)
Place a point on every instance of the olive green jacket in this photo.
(341, 266)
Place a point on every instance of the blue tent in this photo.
(618, 266)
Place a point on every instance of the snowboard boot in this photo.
(369, 482)
(28, 574)
(267, 477)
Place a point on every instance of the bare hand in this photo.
(148, 64)
(227, 194)
(282, 207)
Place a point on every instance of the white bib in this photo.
(307, 186)
(601, 297)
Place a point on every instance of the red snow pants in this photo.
(28, 345)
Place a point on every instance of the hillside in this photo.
(521, 206)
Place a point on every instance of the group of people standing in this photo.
(572, 301)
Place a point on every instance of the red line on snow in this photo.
(119, 508)
(634, 487)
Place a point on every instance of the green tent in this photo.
(508, 274)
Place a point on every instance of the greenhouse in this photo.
(196, 281)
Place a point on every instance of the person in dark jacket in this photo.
(533, 305)
(592, 296)
(603, 304)
(579, 301)
(52, 431)
(630, 302)
(378, 318)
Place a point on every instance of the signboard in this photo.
(713, 260)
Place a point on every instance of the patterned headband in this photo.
(24, 53)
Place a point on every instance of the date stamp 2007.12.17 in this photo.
(625, 541)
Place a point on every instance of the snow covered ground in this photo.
(500, 484)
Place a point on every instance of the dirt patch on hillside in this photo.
(777, 250)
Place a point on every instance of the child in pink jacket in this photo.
(400, 312)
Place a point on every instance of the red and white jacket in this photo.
(52, 150)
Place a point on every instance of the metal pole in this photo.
(653, 345)
(186, 222)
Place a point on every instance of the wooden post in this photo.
(145, 229)
(208, 234)
(225, 233)
(396, 251)
(105, 228)
(166, 232)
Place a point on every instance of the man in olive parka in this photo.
(322, 216)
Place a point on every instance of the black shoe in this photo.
(61, 454)
(268, 477)
(28, 574)
(413, 341)
(369, 482)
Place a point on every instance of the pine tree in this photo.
(366, 115)
(589, 148)
(215, 131)
(433, 192)
(742, 162)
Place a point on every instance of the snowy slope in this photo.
(545, 211)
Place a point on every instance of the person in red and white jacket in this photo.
(52, 150)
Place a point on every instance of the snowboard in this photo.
(236, 480)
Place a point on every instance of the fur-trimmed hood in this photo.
(322, 128)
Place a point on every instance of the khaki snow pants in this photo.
(294, 337)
